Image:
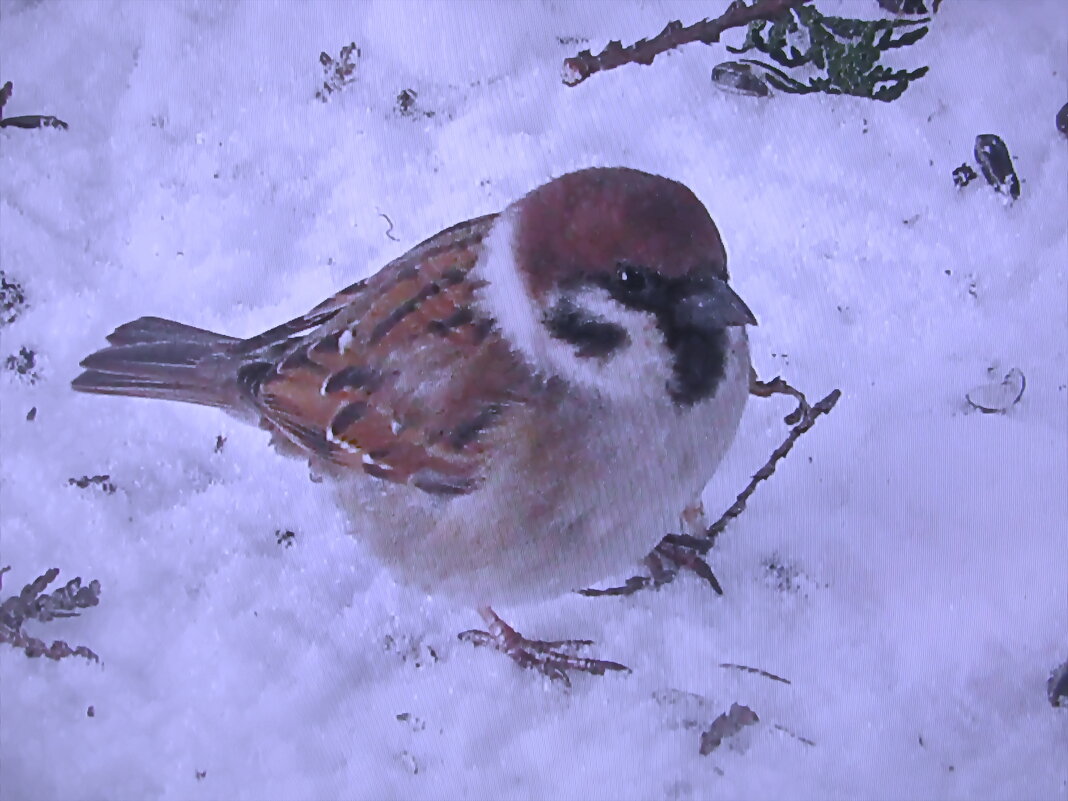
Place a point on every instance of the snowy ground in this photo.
(905, 569)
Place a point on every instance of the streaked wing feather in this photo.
(398, 375)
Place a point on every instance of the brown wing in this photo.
(399, 375)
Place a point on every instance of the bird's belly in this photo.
(560, 515)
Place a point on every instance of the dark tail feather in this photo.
(156, 358)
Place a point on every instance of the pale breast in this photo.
(582, 490)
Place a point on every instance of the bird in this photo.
(517, 407)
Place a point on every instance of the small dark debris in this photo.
(22, 364)
(389, 231)
(409, 648)
(789, 733)
(31, 415)
(12, 299)
(200, 774)
(406, 104)
(1057, 686)
(739, 79)
(339, 73)
(964, 175)
(406, 100)
(996, 164)
(1062, 119)
(286, 537)
(103, 481)
(409, 762)
(415, 723)
(727, 725)
(91, 711)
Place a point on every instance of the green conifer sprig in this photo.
(847, 50)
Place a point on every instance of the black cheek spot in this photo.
(591, 336)
(346, 416)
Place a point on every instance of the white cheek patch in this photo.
(504, 297)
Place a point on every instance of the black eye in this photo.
(631, 279)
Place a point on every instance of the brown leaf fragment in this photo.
(727, 725)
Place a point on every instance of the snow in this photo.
(905, 568)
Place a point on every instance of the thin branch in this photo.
(765, 472)
(757, 671)
(738, 14)
(687, 551)
(778, 386)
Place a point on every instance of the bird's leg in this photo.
(553, 658)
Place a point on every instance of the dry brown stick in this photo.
(579, 68)
(764, 473)
(685, 550)
(778, 386)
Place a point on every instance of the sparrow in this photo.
(517, 407)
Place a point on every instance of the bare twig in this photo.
(687, 551)
(765, 472)
(777, 386)
(738, 14)
(797, 737)
(757, 671)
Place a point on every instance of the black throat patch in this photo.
(699, 361)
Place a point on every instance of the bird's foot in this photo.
(675, 552)
(553, 658)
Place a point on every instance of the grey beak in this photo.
(714, 305)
